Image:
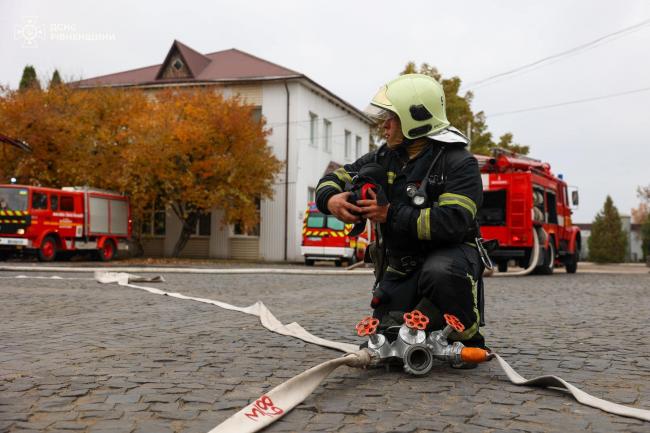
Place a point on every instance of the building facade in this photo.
(312, 129)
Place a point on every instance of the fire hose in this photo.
(413, 345)
(531, 264)
(281, 399)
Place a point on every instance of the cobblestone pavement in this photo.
(79, 356)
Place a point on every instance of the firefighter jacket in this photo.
(454, 191)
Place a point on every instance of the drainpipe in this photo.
(286, 180)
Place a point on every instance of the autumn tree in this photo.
(77, 137)
(29, 79)
(190, 150)
(202, 151)
(460, 114)
(641, 215)
(607, 242)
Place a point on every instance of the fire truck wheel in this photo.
(309, 262)
(503, 266)
(107, 251)
(549, 259)
(47, 251)
(4, 255)
(352, 260)
(571, 264)
(338, 263)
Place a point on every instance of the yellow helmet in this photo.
(419, 102)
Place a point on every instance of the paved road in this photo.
(79, 356)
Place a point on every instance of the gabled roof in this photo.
(195, 61)
(227, 65)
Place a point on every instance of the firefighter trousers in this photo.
(445, 283)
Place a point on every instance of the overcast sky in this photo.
(352, 47)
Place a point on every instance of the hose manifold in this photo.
(417, 349)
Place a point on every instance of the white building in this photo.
(313, 129)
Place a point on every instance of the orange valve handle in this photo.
(454, 322)
(367, 326)
(416, 320)
(475, 355)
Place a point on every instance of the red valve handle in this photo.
(416, 320)
(367, 326)
(454, 322)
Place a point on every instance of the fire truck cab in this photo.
(47, 221)
(325, 237)
(524, 200)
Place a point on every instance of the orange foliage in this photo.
(192, 150)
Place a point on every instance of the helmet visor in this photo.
(377, 114)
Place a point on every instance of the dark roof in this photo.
(227, 65)
(195, 61)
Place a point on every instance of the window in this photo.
(67, 203)
(13, 199)
(153, 222)
(239, 230)
(348, 143)
(256, 114)
(204, 225)
(54, 202)
(311, 194)
(327, 145)
(39, 200)
(313, 129)
(357, 148)
(178, 64)
(315, 220)
(334, 223)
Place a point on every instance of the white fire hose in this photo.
(280, 400)
(531, 264)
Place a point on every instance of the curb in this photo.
(243, 271)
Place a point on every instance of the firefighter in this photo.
(3, 204)
(429, 259)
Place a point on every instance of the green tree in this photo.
(460, 114)
(56, 79)
(29, 79)
(607, 242)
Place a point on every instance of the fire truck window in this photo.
(54, 202)
(67, 203)
(13, 199)
(551, 202)
(39, 200)
(493, 211)
(334, 223)
(315, 220)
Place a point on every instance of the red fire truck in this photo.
(47, 221)
(525, 204)
(324, 237)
